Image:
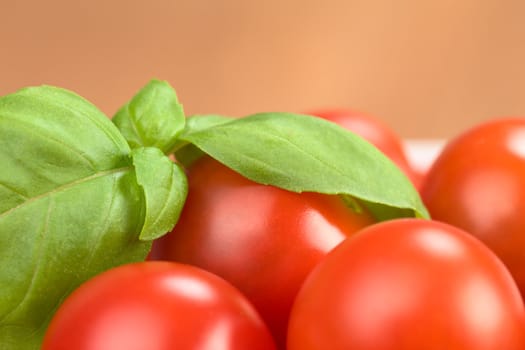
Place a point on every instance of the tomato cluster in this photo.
(258, 267)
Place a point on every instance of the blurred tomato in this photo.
(478, 184)
(262, 239)
(408, 284)
(156, 306)
(374, 131)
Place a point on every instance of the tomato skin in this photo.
(478, 184)
(262, 239)
(408, 284)
(156, 306)
(374, 131)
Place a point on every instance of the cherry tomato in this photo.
(374, 131)
(262, 239)
(408, 284)
(478, 184)
(156, 306)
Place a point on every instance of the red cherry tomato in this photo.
(478, 184)
(262, 239)
(156, 306)
(408, 284)
(374, 131)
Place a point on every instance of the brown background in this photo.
(428, 68)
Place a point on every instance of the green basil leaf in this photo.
(302, 153)
(70, 206)
(199, 122)
(153, 118)
(165, 189)
(185, 152)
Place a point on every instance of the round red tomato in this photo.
(478, 184)
(408, 284)
(262, 239)
(156, 306)
(374, 131)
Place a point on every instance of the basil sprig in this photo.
(74, 201)
(292, 151)
(80, 193)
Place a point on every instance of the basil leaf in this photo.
(199, 122)
(185, 152)
(153, 118)
(165, 189)
(302, 153)
(70, 206)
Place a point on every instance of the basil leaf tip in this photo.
(153, 118)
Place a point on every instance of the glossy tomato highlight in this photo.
(478, 184)
(262, 239)
(408, 284)
(156, 306)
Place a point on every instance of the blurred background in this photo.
(427, 68)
